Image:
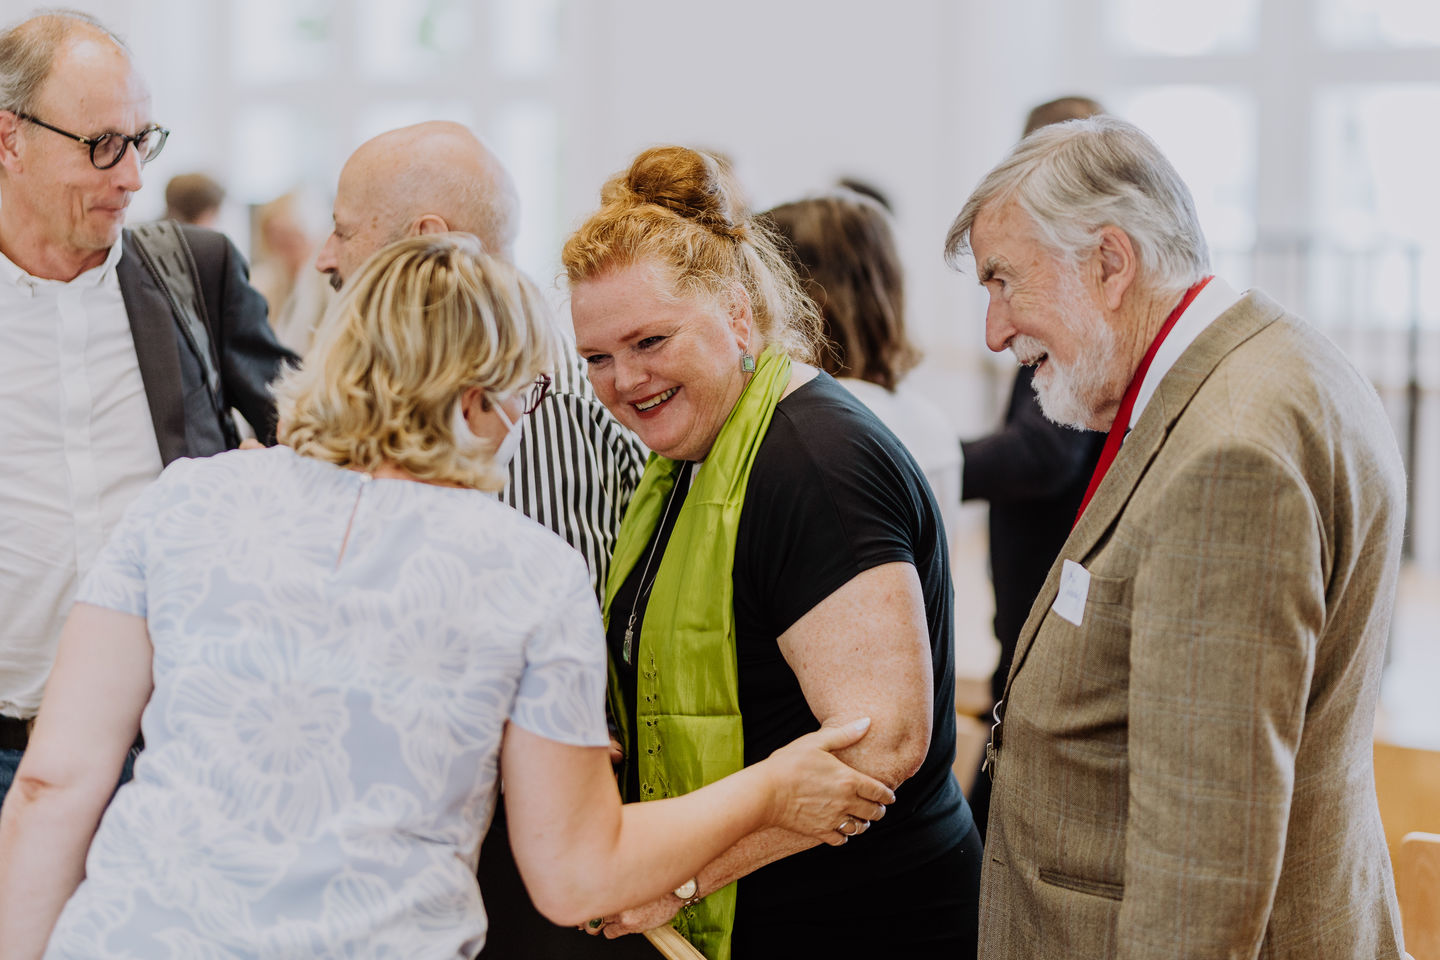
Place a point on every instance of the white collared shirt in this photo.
(77, 444)
(1217, 297)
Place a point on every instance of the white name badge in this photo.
(1074, 588)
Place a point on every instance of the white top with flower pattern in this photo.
(323, 738)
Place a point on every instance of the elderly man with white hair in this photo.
(1181, 760)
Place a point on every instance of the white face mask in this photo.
(506, 451)
(469, 444)
(465, 440)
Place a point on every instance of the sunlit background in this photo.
(1309, 131)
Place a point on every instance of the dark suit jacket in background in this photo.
(1033, 473)
(243, 347)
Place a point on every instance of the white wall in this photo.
(919, 97)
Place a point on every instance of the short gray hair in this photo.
(1075, 178)
(28, 50)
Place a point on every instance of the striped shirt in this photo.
(576, 469)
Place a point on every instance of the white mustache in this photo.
(1027, 350)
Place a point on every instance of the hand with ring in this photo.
(815, 791)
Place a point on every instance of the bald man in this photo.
(428, 178)
(576, 466)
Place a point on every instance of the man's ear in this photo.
(9, 142)
(429, 223)
(1117, 264)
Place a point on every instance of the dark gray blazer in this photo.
(245, 351)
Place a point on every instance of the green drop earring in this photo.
(747, 363)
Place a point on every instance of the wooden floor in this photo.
(1410, 693)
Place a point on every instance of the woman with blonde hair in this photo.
(333, 649)
(782, 562)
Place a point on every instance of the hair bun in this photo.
(691, 184)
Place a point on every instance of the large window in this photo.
(1306, 130)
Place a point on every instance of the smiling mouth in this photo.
(646, 405)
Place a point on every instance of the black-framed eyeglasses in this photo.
(107, 149)
(536, 392)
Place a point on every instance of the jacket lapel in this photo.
(152, 328)
(1251, 314)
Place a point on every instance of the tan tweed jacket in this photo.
(1188, 773)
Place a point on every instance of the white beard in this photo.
(1072, 396)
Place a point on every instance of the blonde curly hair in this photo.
(424, 319)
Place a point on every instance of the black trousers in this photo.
(518, 931)
(874, 921)
(945, 925)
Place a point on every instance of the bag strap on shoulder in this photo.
(162, 247)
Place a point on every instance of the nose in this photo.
(629, 375)
(999, 331)
(326, 260)
(127, 171)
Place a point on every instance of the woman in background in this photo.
(783, 561)
(842, 245)
(326, 645)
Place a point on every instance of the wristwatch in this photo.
(688, 892)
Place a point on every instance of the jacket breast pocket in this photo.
(1108, 591)
(1106, 605)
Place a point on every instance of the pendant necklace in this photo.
(627, 645)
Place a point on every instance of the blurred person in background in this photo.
(284, 250)
(1032, 472)
(868, 189)
(108, 376)
(782, 562)
(842, 245)
(194, 198)
(335, 647)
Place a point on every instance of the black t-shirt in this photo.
(833, 493)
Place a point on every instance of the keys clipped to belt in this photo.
(992, 747)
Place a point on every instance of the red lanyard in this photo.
(1121, 426)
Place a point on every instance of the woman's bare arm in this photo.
(582, 854)
(863, 649)
(98, 687)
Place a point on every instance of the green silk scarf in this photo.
(688, 715)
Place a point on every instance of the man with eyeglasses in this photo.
(101, 386)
